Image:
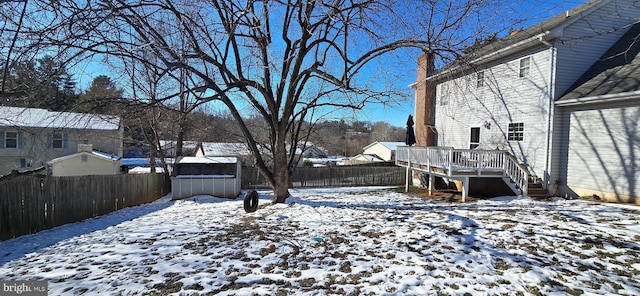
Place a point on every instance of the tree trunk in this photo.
(280, 174)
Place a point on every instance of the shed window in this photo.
(516, 131)
(205, 169)
(525, 66)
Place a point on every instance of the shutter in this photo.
(49, 141)
(2, 140)
(65, 141)
(20, 140)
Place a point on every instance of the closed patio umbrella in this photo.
(410, 138)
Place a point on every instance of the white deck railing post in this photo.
(450, 160)
(443, 158)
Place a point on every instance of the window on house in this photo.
(480, 79)
(442, 99)
(57, 141)
(516, 131)
(10, 140)
(25, 163)
(474, 140)
(525, 66)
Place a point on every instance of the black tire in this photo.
(251, 201)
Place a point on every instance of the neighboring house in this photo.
(189, 148)
(141, 165)
(562, 96)
(312, 150)
(361, 159)
(383, 150)
(85, 162)
(30, 137)
(212, 149)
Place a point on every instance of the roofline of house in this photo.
(92, 153)
(608, 98)
(545, 37)
(542, 39)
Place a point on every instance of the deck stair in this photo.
(462, 164)
(537, 191)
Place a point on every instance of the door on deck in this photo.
(474, 139)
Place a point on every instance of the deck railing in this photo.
(451, 162)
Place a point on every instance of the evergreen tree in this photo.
(100, 96)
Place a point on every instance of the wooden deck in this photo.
(461, 164)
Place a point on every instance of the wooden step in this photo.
(535, 190)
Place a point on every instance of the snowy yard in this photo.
(347, 241)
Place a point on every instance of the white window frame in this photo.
(515, 132)
(525, 67)
(474, 144)
(15, 139)
(57, 140)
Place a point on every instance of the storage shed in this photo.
(216, 176)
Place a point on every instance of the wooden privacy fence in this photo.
(32, 203)
(335, 176)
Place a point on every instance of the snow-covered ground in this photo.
(356, 241)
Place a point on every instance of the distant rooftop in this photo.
(225, 149)
(42, 118)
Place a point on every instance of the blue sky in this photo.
(396, 114)
(402, 67)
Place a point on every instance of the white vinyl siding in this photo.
(505, 98)
(604, 151)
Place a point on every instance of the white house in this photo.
(361, 159)
(384, 150)
(31, 137)
(562, 96)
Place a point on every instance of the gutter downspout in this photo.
(550, 112)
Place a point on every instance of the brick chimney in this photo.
(425, 102)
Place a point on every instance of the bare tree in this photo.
(276, 60)
(281, 62)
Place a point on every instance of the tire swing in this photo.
(251, 201)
